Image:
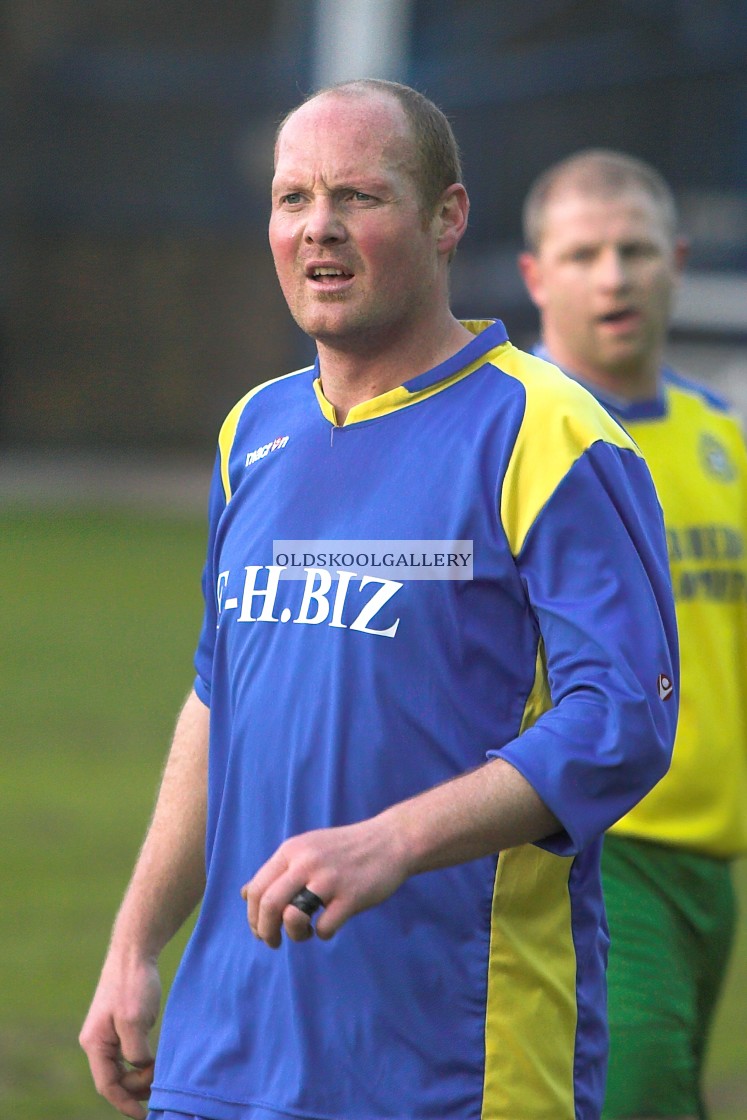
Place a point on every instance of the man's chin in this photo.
(325, 322)
(338, 332)
(622, 359)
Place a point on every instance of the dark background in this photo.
(137, 295)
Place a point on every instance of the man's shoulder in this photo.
(557, 402)
(563, 425)
(271, 392)
(696, 406)
(267, 403)
(701, 396)
(274, 394)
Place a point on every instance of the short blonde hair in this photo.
(595, 171)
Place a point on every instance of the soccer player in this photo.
(399, 784)
(602, 262)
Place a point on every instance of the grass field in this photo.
(100, 615)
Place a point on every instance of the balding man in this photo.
(438, 660)
(602, 263)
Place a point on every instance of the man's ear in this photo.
(452, 216)
(531, 274)
(681, 252)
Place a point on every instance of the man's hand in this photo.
(359, 865)
(349, 868)
(115, 1035)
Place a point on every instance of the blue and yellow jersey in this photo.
(475, 992)
(694, 446)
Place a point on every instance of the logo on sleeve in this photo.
(664, 686)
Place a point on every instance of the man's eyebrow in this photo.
(290, 184)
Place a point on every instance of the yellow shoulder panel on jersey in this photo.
(561, 421)
(230, 424)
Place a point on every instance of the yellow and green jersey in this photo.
(694, 447)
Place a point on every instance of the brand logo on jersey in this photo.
(273, 445)
(664, 686)
(354, 603)
(715, 458)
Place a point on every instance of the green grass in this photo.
(100, 616)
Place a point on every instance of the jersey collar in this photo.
(652, 408)
(490, 335)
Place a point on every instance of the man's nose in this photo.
(324, 223)
(612, 270)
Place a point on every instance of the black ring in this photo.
(307, 901)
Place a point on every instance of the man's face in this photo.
(604, 279)
(355, 257)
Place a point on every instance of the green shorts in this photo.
(672, 916)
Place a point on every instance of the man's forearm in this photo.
(169, 875)
(355, 866)
(476, 814)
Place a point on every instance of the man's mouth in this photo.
(621, 315)
(326, 273)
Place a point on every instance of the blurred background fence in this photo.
(137, 296)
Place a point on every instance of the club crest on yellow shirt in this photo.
(715, 458)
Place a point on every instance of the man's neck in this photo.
(350, 378)
(628, 384)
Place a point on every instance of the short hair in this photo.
(595, 171)
(437, 161)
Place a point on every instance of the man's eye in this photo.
(292, 199)
(361, 196)
(640, 251)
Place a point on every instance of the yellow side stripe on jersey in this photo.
(539, 699)
(544, 450)
(531, 1014)
(401, 397)
(227, 433)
